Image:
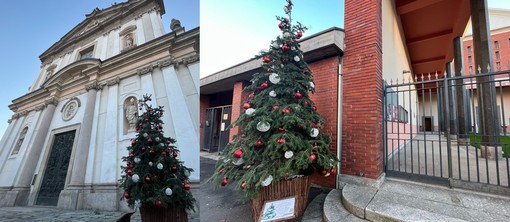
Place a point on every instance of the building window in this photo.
(470, 69)
(470, 60)
(497, 55)
(469, 49)
(20, 141)
(498, 66)
(87, 53)
(496, 44)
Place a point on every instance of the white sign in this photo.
(278, 210)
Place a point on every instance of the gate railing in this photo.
(449, 129)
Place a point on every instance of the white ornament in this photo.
(159, 166)
(274, 78)
(272, 93)
(135, 178)
(289, 154)
(238, 161)
(137, 160)
(168, 191)
(276, 45)
(150, 163)
(267, 181)
(285, 9)
(314, 132)
(281, 65)
(286, 34)
(293, 48)
(327, 174)
(186, 173)
(297, 59)
(312, 85)
(250, 111)
(138, 203)
(263, 126)
(145, 135)
(157, 139)
(162, 144)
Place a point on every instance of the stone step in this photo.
(333, 209)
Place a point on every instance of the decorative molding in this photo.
(9, 121)
(23, 113)
(15, 116)
(113, 81)
(39, 107)
(93, 85)
(127, 30)
(191, 59)
(144, 70)
(166, 63)
(51, 101)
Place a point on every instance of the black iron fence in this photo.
(449, 130)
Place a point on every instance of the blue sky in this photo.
(31, 27)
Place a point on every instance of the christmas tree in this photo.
(280, 135)
(153, 175)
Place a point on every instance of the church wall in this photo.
(6, 174)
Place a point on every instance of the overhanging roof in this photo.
(429, 28)
(321, 45)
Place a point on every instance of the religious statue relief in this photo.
(70, 109)
(131, 113)
(20, 141)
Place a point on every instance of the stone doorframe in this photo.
(36, 184)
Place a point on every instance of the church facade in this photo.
(64, 143)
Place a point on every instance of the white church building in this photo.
(64, 143)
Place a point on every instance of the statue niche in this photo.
(130, 114)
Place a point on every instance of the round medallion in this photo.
(70, 109)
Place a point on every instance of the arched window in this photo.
(20, 141)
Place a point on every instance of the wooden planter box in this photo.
(170, 214)
(297, 188)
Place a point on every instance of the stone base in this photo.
(13, 198)
(463, 141)
(68, 199)
(360, 181)
(491, 152)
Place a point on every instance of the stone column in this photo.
(362, 101)
(70, 198)
(460, 92)
(489, 126)
(27, 171)
(109, 165)
(451, 107)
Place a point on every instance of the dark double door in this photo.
(56, 169)
(216, 135)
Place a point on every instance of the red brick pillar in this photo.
(204, 104)
(362, 137)
(238, 98)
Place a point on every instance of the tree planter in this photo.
(298, 188)
(170, 214)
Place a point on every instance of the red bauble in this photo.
(298, 95)
(131, 165)
(175, 154)
(287, 110)
(281, 141)
(147, 179)
(285, 48)
(332, 171)
(286, 20)
(159, 203)
(313, 157)
(163, 153)
(306, 103)
(238, 153)
(267, 59)
(246, 106)
(251, 95)
(129, 172)
(243, 185)
(143, 148)
(131, 155)
(263, 85)
(275, 107)
(186, 186)
(126, 195)
(292, 40)
(224, 182)
(146, 120)
(258, 143)
(324, 172)
(149, 140)
(281, 129)
(315, 108)
(299, 34)
(152, 152)
(280, 26)
(133, 142)
(174, 169)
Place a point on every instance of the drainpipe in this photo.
(339, 119)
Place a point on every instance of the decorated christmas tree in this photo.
(280, 129)
(153, 175)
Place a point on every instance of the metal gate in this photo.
(56, 170)
(216, 135)
(436, 131)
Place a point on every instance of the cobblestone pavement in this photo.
(52, 214)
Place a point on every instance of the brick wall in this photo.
(204, 104)
(503, 40)
(238, 97)
(362, 138)
(325, 74)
